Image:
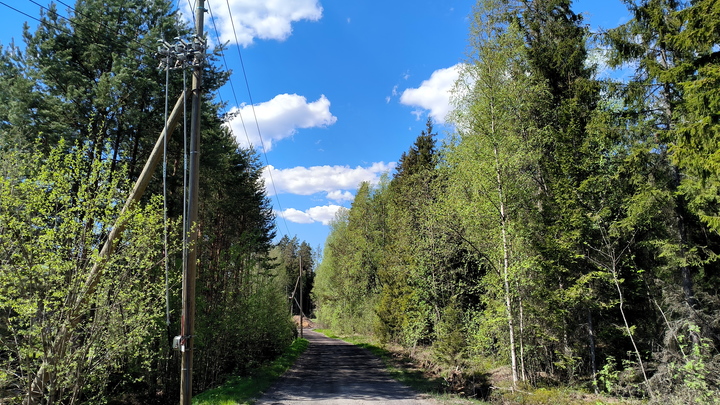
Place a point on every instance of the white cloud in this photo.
(339, 195)
(335, 181)
(329, 179)
(393, 93)
(297, 216)
(323, 214)
(433, 94)
(279, 118)
(260, 19)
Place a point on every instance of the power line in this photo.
(37, 19)
(80, 24)
(227, 67)
(252, 106)
(45, 22)
(192, 7)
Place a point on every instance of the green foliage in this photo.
(698, 77)
(569, 220)
(665, 104)
(96, 86)
(490, 161)
(421, 157)
(54, 215)
(450, 343)
(691, 378)
(289, 254)
(327, 332)
(566, 222)
(94, 82)
(242, 316)
(608, 376)
(344, 288)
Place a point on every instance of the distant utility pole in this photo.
(190, 265)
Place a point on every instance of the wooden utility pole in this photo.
(301, 299)
(191, 229)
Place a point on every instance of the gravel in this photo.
(333, 372)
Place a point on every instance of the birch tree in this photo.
(489, 160)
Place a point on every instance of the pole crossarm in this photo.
(182, 53)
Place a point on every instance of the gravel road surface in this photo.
(335, 372)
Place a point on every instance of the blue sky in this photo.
(340, 88)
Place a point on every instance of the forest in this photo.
(81, 107)
(566, 228)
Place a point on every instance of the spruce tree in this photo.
(555, 43)
(664, 105)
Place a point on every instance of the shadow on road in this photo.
(335, 372)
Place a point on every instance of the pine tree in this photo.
(402, 301)
(697, 135)
(88, 78)
(421, 156)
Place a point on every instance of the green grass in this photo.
(243, 390)
(328, 333)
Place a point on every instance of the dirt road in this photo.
(335, 372)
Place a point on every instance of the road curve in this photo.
(333, 372)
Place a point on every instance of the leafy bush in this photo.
(70, 318)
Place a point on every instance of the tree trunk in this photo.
(522, 332)
(591, 338)
(506, 269)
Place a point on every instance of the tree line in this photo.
(567, 226)
(81, 108)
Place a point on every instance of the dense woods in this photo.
(81, 107)
(567, 226)
(564, 230)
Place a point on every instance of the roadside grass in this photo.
(244, 390)
(328, 333)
